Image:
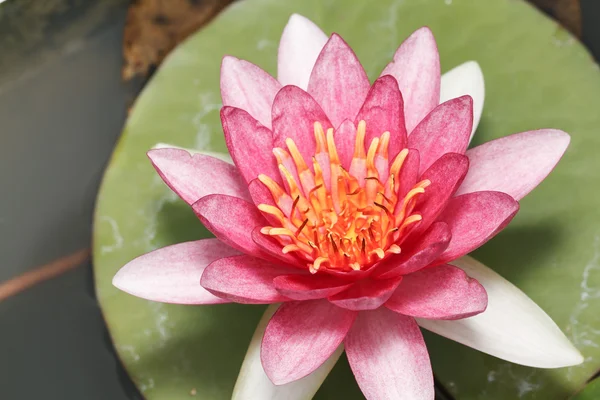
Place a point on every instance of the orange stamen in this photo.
(344, 220)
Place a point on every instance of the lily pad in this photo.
(537, 75)
(590, 392)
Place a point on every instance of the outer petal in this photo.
(445, 130)
(514, 164)
(246, 86)
(309, 287)
(446, 175)
(195, 176)
(250, 144)
(442, 292)
(513, 327)
(366, 294)
(419, 255)
(253, 383)
(466, 79)
(338, 82)
(474, 219)
(416, 67)
(294, 115)
(389, 358)
(299, 47)
(172, 274)
(383, 111)
(231, 220)
(301, 336)
(243, 279)
(221, 156)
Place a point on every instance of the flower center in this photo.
(341, 219)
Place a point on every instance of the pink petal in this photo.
(243, 279)
(383, 111)
(231, 220)
(512, 327)
(475, 218)
(418, 255)
(466, 78)
(446, 175)
(272, 250)
(259, 193)
(366, 294)
(442, 292)
(309, 287)
(299, 47)
(294, 115)
(345, 138)
(446, 129)
(338, 82)
(193, 177)
(300, 337)
(250, 144)
(246, 86)
(514, 164)
(254, 384)
(409, 173)
(388, 356)
(172, 274)
(416, 67)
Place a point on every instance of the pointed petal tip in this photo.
(424, 34)
(562, 138)
(336, 41)
(300, 45)
(120, 280)
(574, 357)
(567, 355)
(515, 164)
(158, 151)
(473, 67)
(296, 18)
(228, 61)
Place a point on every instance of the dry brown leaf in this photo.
(155, 27)
(567, 12)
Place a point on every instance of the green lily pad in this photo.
(590, 392)
(537, 76)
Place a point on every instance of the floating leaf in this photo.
(537, 75)
(590, 392)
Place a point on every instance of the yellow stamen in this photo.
(343, 220)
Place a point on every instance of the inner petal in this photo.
(339, 219)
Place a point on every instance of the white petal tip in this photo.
(473, 66)
(569, 357)
(122, 280)
(297, 18)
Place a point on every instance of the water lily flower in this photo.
(351, 206)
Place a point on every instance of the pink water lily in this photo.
(353, 206)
